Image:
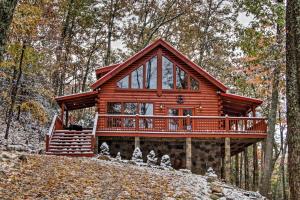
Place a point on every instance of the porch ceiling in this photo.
(78, 101)
(236, 105)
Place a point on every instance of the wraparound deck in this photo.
(181, 126)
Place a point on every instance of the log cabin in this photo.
(160, 100)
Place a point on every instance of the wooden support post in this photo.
(96, 145)
(67, 118)
(137, 142)
(237, 169)
(227, 160)
(246, 168)
(62, 114)
(188, 153)
(255, 168)
(137, 122)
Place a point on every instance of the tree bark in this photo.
(237, 168)
(246, 168)
(14, 92)
(110, 26)
(60, 65)
(255, 168)
(293, 95)
(241, 170)
(7, 8)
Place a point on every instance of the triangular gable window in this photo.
(137, 77)
(173, 77)
(123, 83)
(181, 79)
(151, 74)
(167, 74)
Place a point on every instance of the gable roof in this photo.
(146, 50)
(106, 69)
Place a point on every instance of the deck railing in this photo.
(55, 125)
(181, 124)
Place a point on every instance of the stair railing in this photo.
(50, 132)
(94, 131)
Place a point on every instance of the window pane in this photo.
(181, 79)
(194, 84)
(114, 108)
(151, 73)
(137, 78)
(123, 83)
(174, 122)
(130, 108)
(146, 109)
(167, 74)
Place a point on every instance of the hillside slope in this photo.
(25, 176)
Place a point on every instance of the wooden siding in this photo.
(205, 102)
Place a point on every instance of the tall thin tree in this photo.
(293, 95)
(7, 8)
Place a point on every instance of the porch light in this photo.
(161, 106)
(200, 108)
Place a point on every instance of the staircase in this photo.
(71, 143)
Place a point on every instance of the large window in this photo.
(151, 73)
(137, 78)
(181, 79)
(123, 83)
(114, 109)
(130, 109)
(167, 74)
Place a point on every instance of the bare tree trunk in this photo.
(110, 26)
(241, 170)
(60, 68)
(7, 8)
(293, 95)
(14, 92)
(237, 168)
(255, 168)
(262, 160)
(268, 159)
(246, 168)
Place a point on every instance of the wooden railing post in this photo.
(94, 134)
(47, 143)
(50, 132)
(137, 122)
(226, 123)
(188, 123)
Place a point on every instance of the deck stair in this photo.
(71, 143)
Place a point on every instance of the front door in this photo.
(179, 123)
